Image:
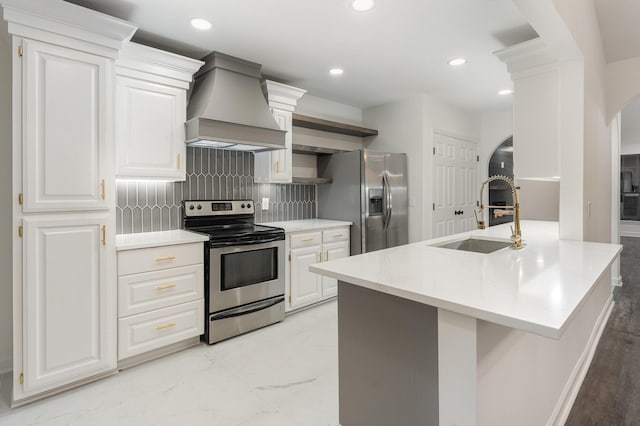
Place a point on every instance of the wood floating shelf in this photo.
(331, 126)
(310, 180)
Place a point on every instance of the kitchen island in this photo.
(430, 335)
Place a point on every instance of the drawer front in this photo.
(152, 330)
(306, 239)
(335, 235)
(157, 258)
(138, 293)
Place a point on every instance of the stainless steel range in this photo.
(244, 267)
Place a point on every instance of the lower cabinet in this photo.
(160, 297)
(307, 248)
(68, 305)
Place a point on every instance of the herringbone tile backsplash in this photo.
(211, 174)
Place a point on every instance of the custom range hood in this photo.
(227, 108)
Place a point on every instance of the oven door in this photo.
(244, 274)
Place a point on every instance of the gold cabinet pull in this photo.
(337, 235)
(164, 259)
(167, 325)
(20, 198)
(178, 161)
(104, 235)
(306, 240)
(102, 189)
(165, 286)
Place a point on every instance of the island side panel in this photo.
(388, 359)
(530, 380)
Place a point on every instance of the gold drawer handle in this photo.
(167, 325)
(164, 259)
(306, 240)
(165, 286)
(337, 235)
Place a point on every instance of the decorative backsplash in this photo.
(211, 174)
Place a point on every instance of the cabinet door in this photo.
(333, 251)
(69, 306)
(275, 166)
(306, 287)
(66, 104)
(150, 130)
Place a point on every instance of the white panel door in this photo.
(455, 185)
(150, 130)
(69, 306)
(65, 128)
(333, 251)
(306, 287)
(276, 166)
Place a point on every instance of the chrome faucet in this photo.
(516, 233)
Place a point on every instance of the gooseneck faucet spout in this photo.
(516, 232)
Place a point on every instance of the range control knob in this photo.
(191, 207)
(242, 206)
(248, 206)
(199, 207)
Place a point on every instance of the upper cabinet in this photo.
(151, 99)
(547, 97)
(65, 117)
(276, 166)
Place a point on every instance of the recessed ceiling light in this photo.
(362, 5)
(505, 92)
(200, 24)
(336, 71)
(456, 62)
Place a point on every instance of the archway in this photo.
(500, 163)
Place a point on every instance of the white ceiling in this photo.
(619, 22)
(398, 49)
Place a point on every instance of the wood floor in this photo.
(610, 394)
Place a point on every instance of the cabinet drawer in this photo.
(152, 330)
(334, 235)
(157, 258)
(306, 239)
(144, 292)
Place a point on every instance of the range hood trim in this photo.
(199, 130)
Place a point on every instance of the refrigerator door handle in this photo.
(388, 199)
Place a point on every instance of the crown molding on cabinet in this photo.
(67, 24)
(282, 96)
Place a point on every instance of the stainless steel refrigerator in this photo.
(369, 189)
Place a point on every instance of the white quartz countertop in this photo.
(306, 224)
(156, 239)
(536, 289)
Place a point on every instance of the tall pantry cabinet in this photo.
(64, 294)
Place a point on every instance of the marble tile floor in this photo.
(284, 374)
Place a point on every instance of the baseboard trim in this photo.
(617, 281)
(571, 389)
(6, 365)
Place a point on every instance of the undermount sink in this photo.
(476, 245)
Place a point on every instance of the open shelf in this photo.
(307, 122)
(309, 180)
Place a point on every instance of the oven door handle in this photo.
(247, 309)
(216, 244)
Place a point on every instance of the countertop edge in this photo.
(157, 239)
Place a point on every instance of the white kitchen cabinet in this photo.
(151, 98)
(276, 166)
(306, 287)
(65, 122)
(69, 300)
(333, 251)
(160, 298)
(307, 248)
(64, 294)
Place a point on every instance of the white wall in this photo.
(314, 106)
(408, 126)
(496, 127)
(622, 84)
(580, 18)
(6, 197)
